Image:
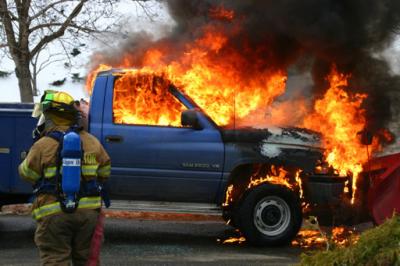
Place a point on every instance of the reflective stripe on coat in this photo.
(54, 208)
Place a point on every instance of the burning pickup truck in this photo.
(164, 147)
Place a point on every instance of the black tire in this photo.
(270, 215)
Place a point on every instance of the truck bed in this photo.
(15, 140)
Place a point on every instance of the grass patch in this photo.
(377, 246)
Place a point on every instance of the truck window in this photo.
(144, 99)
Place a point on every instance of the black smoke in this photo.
(347, 33)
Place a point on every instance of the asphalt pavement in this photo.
(150, 242)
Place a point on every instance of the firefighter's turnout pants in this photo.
(66, 236)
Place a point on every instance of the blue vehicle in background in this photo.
(198, 162)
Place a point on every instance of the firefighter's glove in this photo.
(104, 189)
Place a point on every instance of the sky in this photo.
(135, 21)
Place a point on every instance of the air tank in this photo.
(71, 155)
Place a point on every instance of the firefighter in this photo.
(66, 220)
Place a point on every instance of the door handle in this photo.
(114, 138)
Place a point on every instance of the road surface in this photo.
(150, 242)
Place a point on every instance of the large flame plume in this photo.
(340, 118)
(215, 79)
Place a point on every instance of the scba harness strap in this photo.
(88, 190)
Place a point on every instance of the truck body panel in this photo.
(15, 141)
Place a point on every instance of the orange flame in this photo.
(142, 98)
(278, 176)
(299, 184)
(228, 195)
(234, 240)
(312, 238)
(339, 117)
(275, 175)
(92, 76)
(308, 238)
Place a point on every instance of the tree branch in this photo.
(143, 6)
(88, 29)
(12, 16)
(8, 28)
(45, 9)
(60, 31)
(45, 25)
(72, 25)
(23, 33)
(65, 50)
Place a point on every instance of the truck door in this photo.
(153, 157)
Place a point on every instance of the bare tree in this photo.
(28, 27)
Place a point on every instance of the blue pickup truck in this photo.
(259, 178)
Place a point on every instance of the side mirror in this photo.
(190, 118)
(365, 137)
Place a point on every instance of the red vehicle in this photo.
(384, 192)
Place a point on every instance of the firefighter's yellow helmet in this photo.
(59, 107)
(57, 101)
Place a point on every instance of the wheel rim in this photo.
(272, 216)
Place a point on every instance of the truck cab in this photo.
(158, 162)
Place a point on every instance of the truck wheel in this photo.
(270, 215)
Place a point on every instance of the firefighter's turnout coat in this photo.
(41, 163)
